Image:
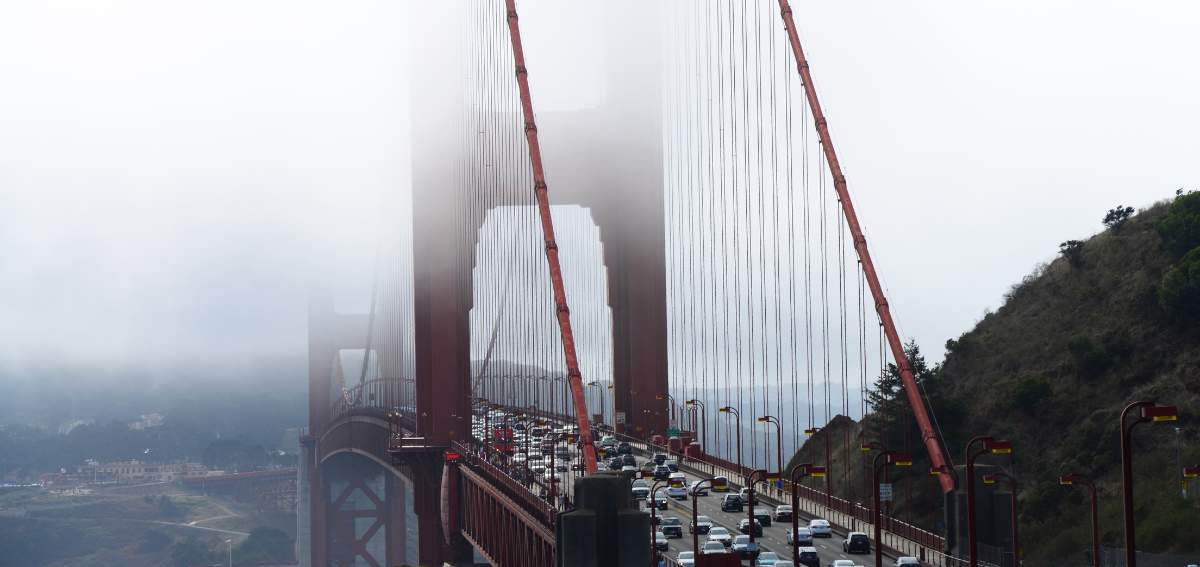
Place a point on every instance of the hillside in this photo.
(1101, 325)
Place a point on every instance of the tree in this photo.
(1117, 216)
(191, 552)
(887, 400)
(1072, 250)
(1179, 293)
(264, 545)
(1180, 228)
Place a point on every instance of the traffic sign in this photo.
(620, 418)
(672, 432)
(885, 492)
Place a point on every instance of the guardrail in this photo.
(379, 393)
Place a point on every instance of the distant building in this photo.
(127, 471)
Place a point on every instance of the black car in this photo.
(763, 515)
(808, 557)
(856, 542)
(745, 527)
(623, 448)
(615, 464)
(672, 465)
(628, 459)
(659, 458)
(661, 473)
(731, 503)
(672, 527)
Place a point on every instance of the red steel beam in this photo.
(932, 443)
(574, 376)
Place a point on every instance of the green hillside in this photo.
(1113, 319)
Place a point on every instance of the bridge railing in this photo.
(379, 393)
(496, 466)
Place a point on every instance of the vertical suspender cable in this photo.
(928, 435)
(574, 377)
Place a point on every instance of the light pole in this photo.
(750, 480)
(889, 458)
(1149, 411)
(654, 520)
(828, 466)
(990, 445)
(1188, 474)
(229, 542)
(778, 441)
(1075, 478)
(695, 519)
(1014, 486)
(799, 472)
(737, 417)
(669, 398)
(602, 406)
(703, 422)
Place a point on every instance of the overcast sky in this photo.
(172, 171)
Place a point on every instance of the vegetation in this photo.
(1117, 216)
(1051, 369)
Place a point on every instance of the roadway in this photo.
(774, 537)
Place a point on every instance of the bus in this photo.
(720, 484)
(502, 439)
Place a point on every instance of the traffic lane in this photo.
(774, 538)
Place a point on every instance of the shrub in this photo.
(1090, 359)
(1179, 293)
(154, 540)
(1029, 392)
(1180, 228)
(1117, 217)
(1072, 250)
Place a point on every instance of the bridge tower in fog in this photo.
(364, 506)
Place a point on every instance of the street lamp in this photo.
(695, 519)
(703, 421)
(738, 429)
(1075, 478)
(654, 520)
(990, 445)
(602, 406)
(889, 458)
(1014, 486)
(1188, 474)
(828, 466)
(671, 399)
(750, 480)
(229, 542)
(778, 439)
(1149, 411)
(799, 472)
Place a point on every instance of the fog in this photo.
(173, 175)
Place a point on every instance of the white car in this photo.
(784, 563)
(686, 558)
(677, 492)
(702, 492)
(640, 489)
(842, 563)
(713, 548)
(677, 477)
(911, 562)
(803, 535)
(720, 535)
(766, 559)
(821, 528)
(783, 513)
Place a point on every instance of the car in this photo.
(808, 557)
(672, 527)
(659, 458)
(842, 563)
(659, 502)
(909, 561)
(766, 559)
(783, 513)
(744, 547)
(803, 536)
(629, 471)
(702, 526)
(660, 541)
(745, 526)
(606, 442)
(678, 492)
(820, 528)
(712, 548)
(661, 473)
(731, 503)
(784, 563)
(672, 465)
(745, 494)
(623, 448)
(763, 515)
(628, 459)
(720, 535)
(856, 542)
(698, 490)
(688, 558)
(615, 464)
(677, 477)
(640, 489)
